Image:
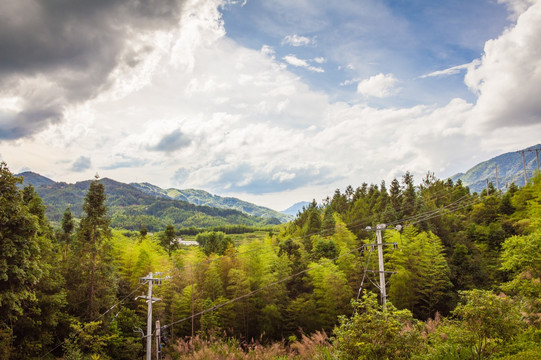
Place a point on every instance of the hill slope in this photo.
(130, 208)
(201, 197)
(510, 170)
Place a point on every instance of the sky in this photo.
(273, 102)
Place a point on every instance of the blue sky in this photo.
(273, 102)
(359, 39)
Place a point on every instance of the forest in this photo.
(464, 279)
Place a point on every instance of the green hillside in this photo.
(201, 197)
(510, 170)
(131, 208)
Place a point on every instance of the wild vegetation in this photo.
(467, 281)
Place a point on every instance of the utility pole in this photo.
(524, 161)
(150, 280)
(158, 341)
(536, 156)
(524, 165)
(497, 181)
(381, 266)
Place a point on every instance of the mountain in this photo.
(201, 197)
(131, 207)
(293, 210)
(36, 180)
(510, 170)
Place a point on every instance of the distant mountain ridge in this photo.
(510, 170)
(59, 195)
(294, 209)
(201, 197)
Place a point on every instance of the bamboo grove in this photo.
(466, 281)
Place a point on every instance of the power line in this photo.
(96, 319)
(216, 307)
(360, 223)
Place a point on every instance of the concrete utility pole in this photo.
(150, 280)
(381, 265)
(158, 340)
(497, 182)
(536, 156)
(524, 165)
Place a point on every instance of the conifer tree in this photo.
(67, 225)
(20, 267)
(94, 284)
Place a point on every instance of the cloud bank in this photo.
(207, 112)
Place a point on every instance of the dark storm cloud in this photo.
(71, 47)
(171, 142)
(81, 164)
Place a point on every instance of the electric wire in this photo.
(215, 307)
(96, 319)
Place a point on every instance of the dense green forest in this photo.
(466, 280)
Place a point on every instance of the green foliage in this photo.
(214, 242)
(486, 321)
(168, 239)
(376, 332)
(90, 273)
(281, 283)
(421, 283)
(20, 269)
(331, 293)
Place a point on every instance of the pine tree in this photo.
(20, 268)
(90, 275)
(67, 225)
(167, 239)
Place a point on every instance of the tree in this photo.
(331, 292)
(67, 226)
(168, 239)
(421, 283)
(143, 231)
(377, 333)
(67, 223)
(90, 275)
(31, 293)
(214, 242)
(486, 320)
(42, 318)
(409, 196)
(20, 268)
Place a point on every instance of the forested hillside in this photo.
(201, 197)
(130, 208)
(465, 283)
(502, 170)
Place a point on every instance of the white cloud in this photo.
(268, 51)
(508, 78)
(380, 85)
(517, 7)
(297, 40)
(452, 70)
(350, 82)
(235, 121)
(295, 61)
